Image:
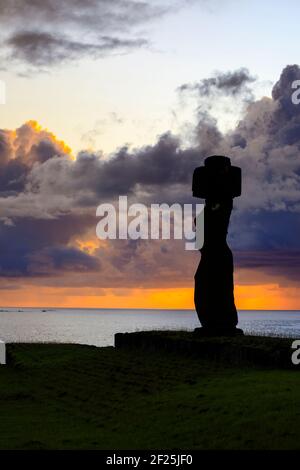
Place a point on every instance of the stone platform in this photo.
(236, 350)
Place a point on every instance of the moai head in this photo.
(217, 180)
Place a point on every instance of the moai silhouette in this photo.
(218, 182)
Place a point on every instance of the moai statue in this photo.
(218, 182)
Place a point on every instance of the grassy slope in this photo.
(68, 396)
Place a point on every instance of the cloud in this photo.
(20, 150)
(48, 199)
(91, 28)
(62, 258)
(103, 14)
(45, 49)
(229, 83)
(38, 247)
(279, 263)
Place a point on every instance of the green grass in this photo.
(80, 397)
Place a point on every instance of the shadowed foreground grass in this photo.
(81, 397)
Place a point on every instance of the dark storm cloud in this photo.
(19, 151)
(228, 83)
(34, 247)
(45, 49)
(150, 168)
(12, 178)
(53, 198)
(216, 95)
(63, 259)
(55, 29)
(267, 241)
(59, 185)
(103, 14)
(279, 263)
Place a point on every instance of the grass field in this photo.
(81, 397)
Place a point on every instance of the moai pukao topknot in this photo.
(218, 182)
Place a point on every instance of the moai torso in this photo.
(218, 182)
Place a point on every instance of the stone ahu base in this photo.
(236, 349)
(206, 332)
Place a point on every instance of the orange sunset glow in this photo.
(254, 297)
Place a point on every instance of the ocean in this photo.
(98, 326)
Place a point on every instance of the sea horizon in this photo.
(144, 309)
(97, 327)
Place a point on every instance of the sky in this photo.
(108, 98)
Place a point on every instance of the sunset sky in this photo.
(108, 98)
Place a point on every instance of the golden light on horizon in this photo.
(254, 297)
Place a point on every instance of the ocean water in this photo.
(98, 326)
